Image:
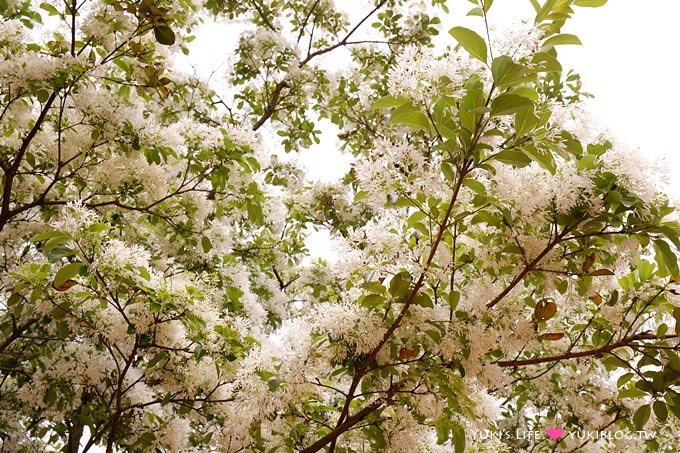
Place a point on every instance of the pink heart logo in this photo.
(554, 433)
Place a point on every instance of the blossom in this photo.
(417, 74)
(634, 172)
(519, 40)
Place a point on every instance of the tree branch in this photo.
(591, 352)
(271, 106)
(11, 171)
(529, 267)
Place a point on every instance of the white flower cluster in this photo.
(518, 40)
(533, 190)
(577, 120)
(636, 173)
(29, 68)
(348, 322)
(397, 166)
(74, 217)
(12, 33)
(107, 26)
(418, 75)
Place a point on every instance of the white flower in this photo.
(75, 216)
(517, 40)
(418, 75)
(634, 172)
(118, 255)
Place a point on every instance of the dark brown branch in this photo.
(16, 333)
(14, 167)
(344, 40)
(74, 10)
(306, 21)
(349, 423)
(591, 352)
(271, 106)
(361, 371)
(529, 267)
(263, 16)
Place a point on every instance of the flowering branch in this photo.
(270, 108)
(627, 341)
(531, 266)
(345, 421)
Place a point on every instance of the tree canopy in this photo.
(500, 266)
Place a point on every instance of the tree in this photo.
(502, 266)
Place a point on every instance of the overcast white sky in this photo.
(628, 61)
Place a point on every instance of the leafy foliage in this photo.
(500, 265)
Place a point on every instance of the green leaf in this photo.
(666, 258)
(49, 235)
(144, 273)
(610, 362)
(205, 244)
(660, 410)
(415, 217)
(372, 301)
(632, 393)
(375, 287)
(400, 284)
(513, 157)
(676, 316)
(443, 429)
(255, 213)
(525, 122)
(507, 104)
(590, 3)
(67, 272)
(273, 384)
(60, 311)
(410, 116)
(376, 436)
(54, 242)
(389, 101)
(13, 299)
(50, 395)
(63, 330)
(624, 379)
(164, 35)
(447, 170)
(57, 253)
(505, 71)
(475, 185)
(545, 10)
(454, 298)
(50, 9)
(43, 95)
(458, 437)
(162, 355)
(641, 416)
(423, 300)
(98, 227)
(543, 157)
(544, 62)
(470, 41)
(672, 232)
(563, 39)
